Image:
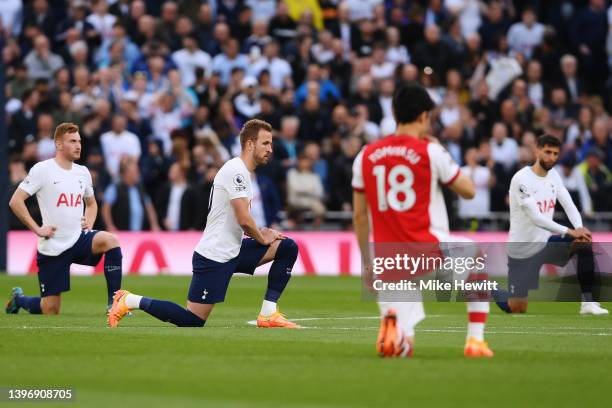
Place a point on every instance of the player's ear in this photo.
(423, 117)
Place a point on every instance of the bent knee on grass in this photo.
(50, 305)
(518, 305)
(200, 309)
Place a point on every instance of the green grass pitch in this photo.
(551, 357)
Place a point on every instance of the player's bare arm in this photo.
(464, 187)
(107, 217)
(361, 225)
(246, 221)
(91, 211)
(17, 205)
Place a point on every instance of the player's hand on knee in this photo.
(46, 231)
(270, 235)
(586, 234)
(580, 234)
(84, 225)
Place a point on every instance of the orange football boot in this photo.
(119, 309)
(387, 335)
(477, 348)
(276, 319)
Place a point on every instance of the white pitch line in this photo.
(458, 329)
(450, 329)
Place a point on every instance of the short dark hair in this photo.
(548, 140)
(409, 101)
(250, 130)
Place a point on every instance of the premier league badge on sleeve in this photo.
(239, 182)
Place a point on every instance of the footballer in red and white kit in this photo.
(404, 175)
(66, 199)
(397, 189)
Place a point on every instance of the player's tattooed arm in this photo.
(17, 205)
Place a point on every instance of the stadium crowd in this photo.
(160, 90)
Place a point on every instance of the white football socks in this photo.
(133, 301)
(476, 324)
(476, 330)
(267, 308)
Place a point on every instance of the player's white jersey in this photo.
(60, 196)
(530, 192)
(222, 236)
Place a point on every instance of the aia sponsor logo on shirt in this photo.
(69, 200)
(546, 206)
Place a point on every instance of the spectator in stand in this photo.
(322, 51)
(266, 203)
(177, 204)
(573, 180)
(479, 206)
(314, 121)
(588, 36)
(225, 62)
(535, 87)
(118, 38)
(17, 173)
(304, 192)
(432, 52)
(328, 92)
(39, 14)
(562, 110)
(573, 85)
(126, 205)
(601, 139)
(396, 53)
(598, 179)
(526, 35)
(189, 58)
(286, 146)
(101, 20)
(579, 132)
(504, 150)
(10, 15)
(41, 62)
(340, 173)
(278, 68)
(248, 102)
(23, 121)
(118, 143)
(381, 67)
(494, 26)
(44, 137)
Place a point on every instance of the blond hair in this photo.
(63, 129)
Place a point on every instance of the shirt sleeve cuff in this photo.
(452, 179)
(26, 190)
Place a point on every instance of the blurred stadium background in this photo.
(160, 90)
